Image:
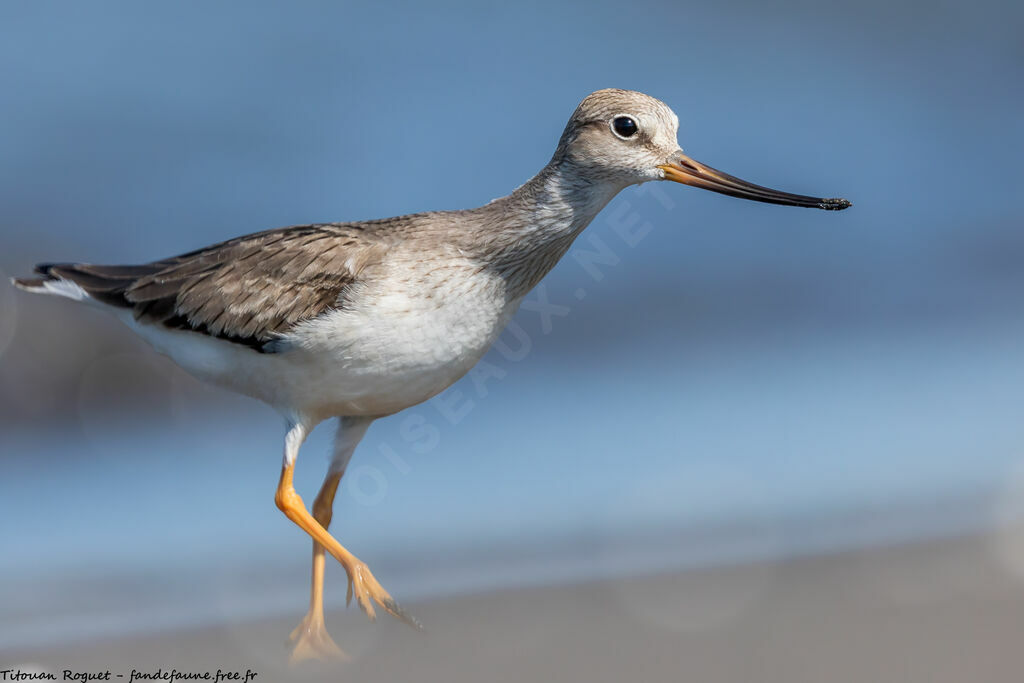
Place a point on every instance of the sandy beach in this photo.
(949, 610)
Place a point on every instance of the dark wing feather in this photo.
(248, 290)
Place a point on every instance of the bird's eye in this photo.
(624, 126)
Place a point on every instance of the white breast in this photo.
(398, 348)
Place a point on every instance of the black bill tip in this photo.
(835, 204)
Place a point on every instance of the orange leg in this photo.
(310, 638)
(361, 583)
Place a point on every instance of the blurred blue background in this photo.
(742, 381)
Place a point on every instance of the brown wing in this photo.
(248, 290)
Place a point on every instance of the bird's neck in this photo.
(528, 231)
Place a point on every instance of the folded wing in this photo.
(249, 290)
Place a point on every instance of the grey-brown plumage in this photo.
(367, 319)
(252, 289)
(247, 290)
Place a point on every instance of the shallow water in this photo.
(598, 473)
(731, 381)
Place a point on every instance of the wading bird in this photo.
(361, 320)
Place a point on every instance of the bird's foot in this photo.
(311, 641)
(367, 590)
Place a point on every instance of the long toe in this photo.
(366, 590)
(311, 641)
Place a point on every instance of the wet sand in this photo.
(950, 610)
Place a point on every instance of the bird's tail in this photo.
(50, 283)
(83, 281)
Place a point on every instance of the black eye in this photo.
(624, 126)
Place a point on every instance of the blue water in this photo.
(594, 473)
(807, 381)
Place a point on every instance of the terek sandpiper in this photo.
(361, 320)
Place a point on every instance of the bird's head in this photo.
(624, 137)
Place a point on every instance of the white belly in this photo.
(388, 353)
